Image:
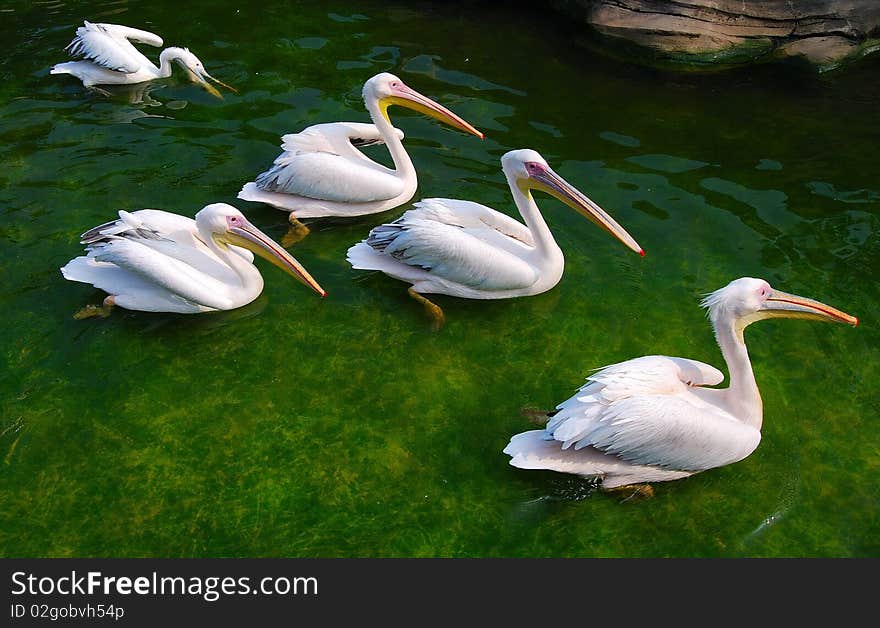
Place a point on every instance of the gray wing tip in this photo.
(381, 236)
(269, 181)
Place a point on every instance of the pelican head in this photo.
(196, 70)
(226, 225)
(387, 89)
(529, 171)
(748, 300)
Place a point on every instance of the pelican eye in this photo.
(533, 167)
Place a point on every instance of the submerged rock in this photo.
(826, 33)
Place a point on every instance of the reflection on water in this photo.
(429, 65)
(561, 491)
(619, 138)
(194, 324)
(11, 431)
(547, 128)
(667, 163)
(355, 17)
(136, 94)
(768, 164)
(828, 190)
(771, 206)
(785, 503)
(571, 488)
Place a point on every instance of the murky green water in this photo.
(344, 427)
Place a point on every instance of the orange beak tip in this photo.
(642, 252)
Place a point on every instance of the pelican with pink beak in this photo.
(155, 261)
(656, 418)
(468, 250)
(322, 171)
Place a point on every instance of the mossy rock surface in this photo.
(701, 34)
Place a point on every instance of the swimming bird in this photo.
(157, 261)
(109, 58)
(322, 172)
(464, 249)
(653, 419)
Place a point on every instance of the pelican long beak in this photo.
(251, 238)
(547, 180)
(221, 83)
(784, 305)
(202, 78)
(411, 99)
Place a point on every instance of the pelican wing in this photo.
(133, 34)
(470, 215)
(330, 177)
(338, 138)
(452, 252)
(108, 45)
(167, 273)
(644, 411)
(149, 224)
(654, 374)
(130, 290)
(169, 234)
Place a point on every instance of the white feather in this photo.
(338, 138)
(455, 254)
(108, 46)
(329, 177)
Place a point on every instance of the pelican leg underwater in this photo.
(434, 311)
(96, 311)
(296, 232)
(636, 491)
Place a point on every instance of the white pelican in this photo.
(464, 249)
(650, 419)
(156, 261)
(109, 58)
(322, 173)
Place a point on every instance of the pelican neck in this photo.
(242, 268)
(743, 396)
(402, 162)
(545, 243)
(165, 58)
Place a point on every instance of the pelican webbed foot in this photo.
(296, 232)
(536, 415)
(99, 311)
(438, 319)
(633, 492)
(100, 90)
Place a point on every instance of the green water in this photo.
(297, 426)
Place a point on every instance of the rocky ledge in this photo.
(827, 33)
